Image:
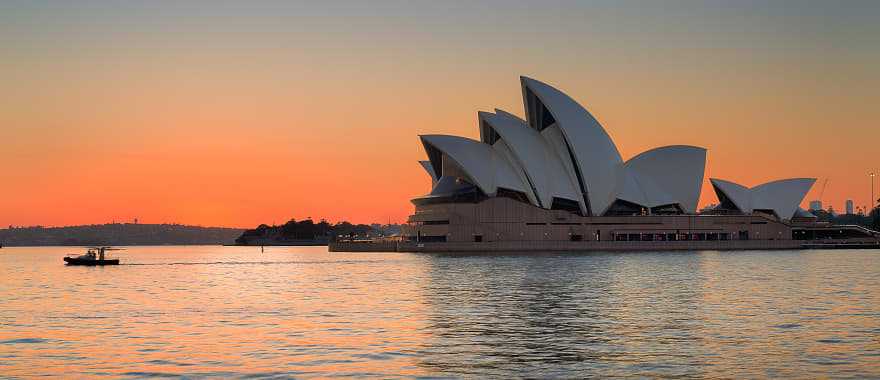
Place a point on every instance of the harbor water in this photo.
(234, 312)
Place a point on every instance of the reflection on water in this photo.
(300, 311)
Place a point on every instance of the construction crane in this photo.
(822, 191)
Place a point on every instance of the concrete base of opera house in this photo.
(597, 246)
(555, 246)
(538, 246)
(507, 225)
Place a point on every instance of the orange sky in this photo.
(221, 115)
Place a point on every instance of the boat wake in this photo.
(259, 262)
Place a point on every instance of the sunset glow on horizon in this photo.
(216, 114)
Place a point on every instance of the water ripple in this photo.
(24, 341)
(228, 312)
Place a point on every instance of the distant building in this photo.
(815, 205)
(849, 207)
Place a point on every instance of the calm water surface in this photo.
(304, 312)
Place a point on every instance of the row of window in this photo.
(699, 236)
(619, 236)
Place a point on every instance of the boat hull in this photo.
(87, 262)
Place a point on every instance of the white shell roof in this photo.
(597, 157)
(503, 150)
(782, 196)
(568, 151)
(540, 163)
(485, 167)
(430, 169)
(736, 193)
(665, 175)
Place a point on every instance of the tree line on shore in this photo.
(307, 231)
(872, 220)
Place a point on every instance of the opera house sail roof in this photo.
(780, 197)
(560, 157)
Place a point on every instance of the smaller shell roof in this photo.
(666, 175)
(781, 196)
(483, 165)
(430, 169)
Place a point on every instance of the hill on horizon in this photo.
(118, 234)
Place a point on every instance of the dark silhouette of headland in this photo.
(307, 232)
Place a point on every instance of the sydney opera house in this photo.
(556, 180)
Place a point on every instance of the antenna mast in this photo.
(822, 192)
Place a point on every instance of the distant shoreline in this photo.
(117, 234)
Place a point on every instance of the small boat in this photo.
(93, 257)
